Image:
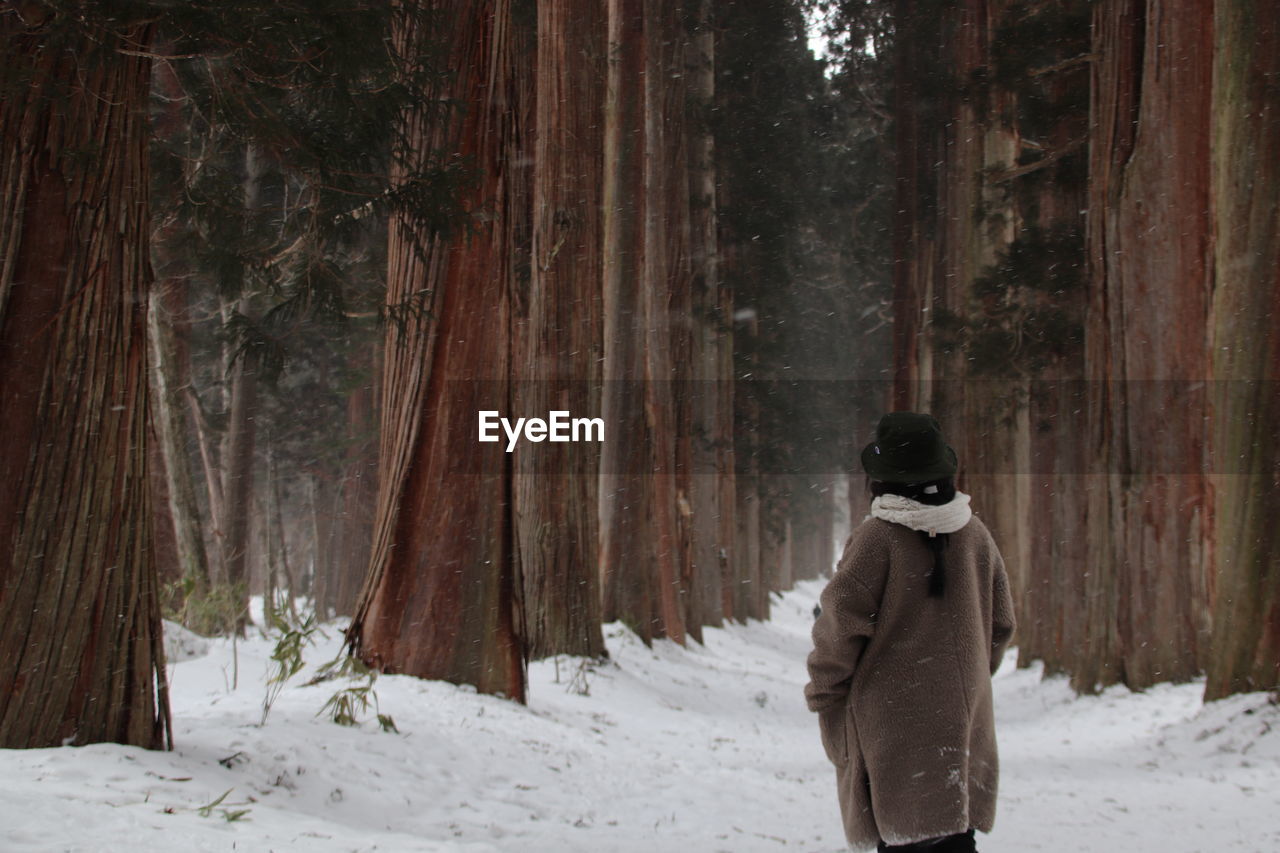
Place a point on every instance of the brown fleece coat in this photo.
(902, 683)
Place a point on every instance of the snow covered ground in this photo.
(696, 750)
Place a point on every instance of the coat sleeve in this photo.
(1002, 619)
(841, 631)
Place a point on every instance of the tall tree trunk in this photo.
(1052, 602)
(713, 497)
(1049, 585)
(1245, 651)
(915, 193)
(556, 485)
(169, 332)
(1137, 614)
(984, 413)
(210, 464)
(81, 658)
(241, 436)
(437, 604)
(238, 476)
(1149, 243)
(728, 553)
(741, 601)
(953, 220)
(637, 530)
(323, 502)
(358, 493)
(171, 375)
(342, 509)
(711, 332)
(664, 297)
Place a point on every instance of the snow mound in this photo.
(702, 749)
(181, 645)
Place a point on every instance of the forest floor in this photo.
(697, 750)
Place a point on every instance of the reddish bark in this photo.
(665, 297)
(626, 539)
(164, 536)
(558, 347)
(1245, 652)
(347, 512)
(169, 331)
(645, 556)
(442, 596)
(710, 425)
(906, 221)
(1149, 242)
(171, 376)
(81, 658)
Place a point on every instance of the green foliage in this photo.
(1041, 56)
(1033, 39)
(1023, 315)
(804, 155)
(230, 815)
(1049, 261)
(278, 159)
(347, 705)
(286, 657)
(207, 610)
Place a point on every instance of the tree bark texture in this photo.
(169, 333)
(983, 414)
(164, 545)
(238, 469)
(665, 297)
(359, 493)
(812, 533)
(1148, 241)
(171, 375)
(237, 483)
(710, 431)
(914, 210)
(1245, 651)
(442, 597)
(742, 596)
(81, 658)
(627, 568)
(347, 507)
(953, 220)
(776, 548)
(558, 324)
(1051, 604)
(644, 563)
(1098, 499)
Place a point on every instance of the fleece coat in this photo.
(902, 683)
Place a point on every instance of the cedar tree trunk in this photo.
(442, 596)
(81, 658)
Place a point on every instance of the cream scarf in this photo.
(947, 518)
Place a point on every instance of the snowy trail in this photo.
(702, 750)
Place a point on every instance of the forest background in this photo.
(262, 263)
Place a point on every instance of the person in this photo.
(912, 626)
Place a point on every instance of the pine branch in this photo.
(1082, 59)
(1004, 175)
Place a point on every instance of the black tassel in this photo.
(938, 575)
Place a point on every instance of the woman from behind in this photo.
(913, 624)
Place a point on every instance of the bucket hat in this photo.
(908, 448)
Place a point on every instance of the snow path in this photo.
(696, 750)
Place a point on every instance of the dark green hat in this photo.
(908, 449)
